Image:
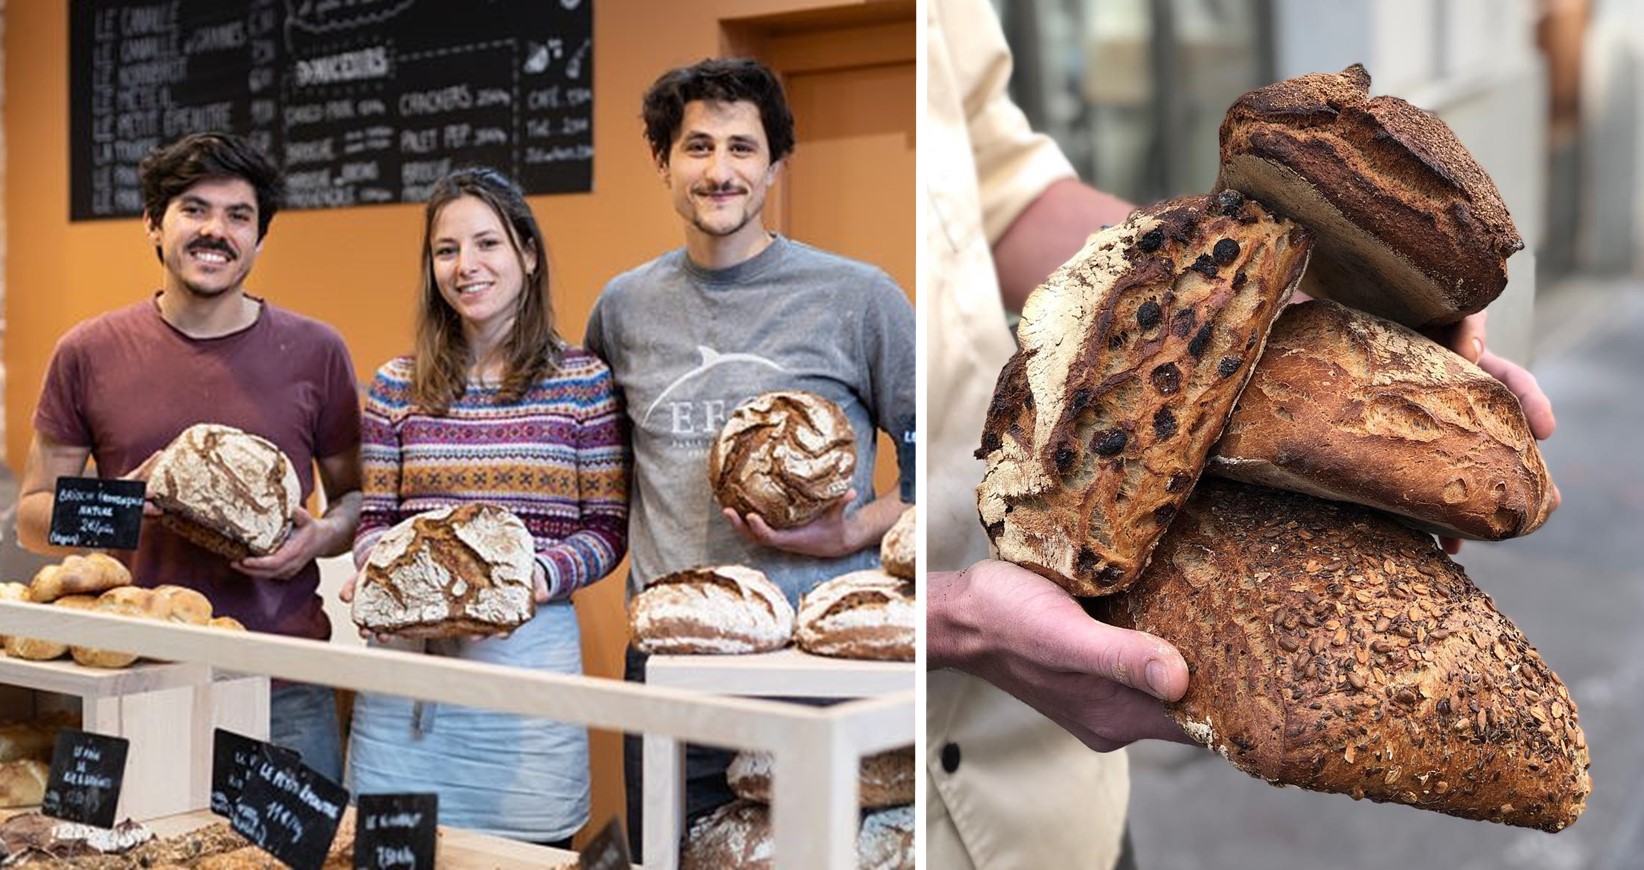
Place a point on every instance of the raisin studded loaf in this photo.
(228, 491)
(885, 779)
(786, 456)
(1407, 225)
(1347, 406)
(726, 609)
(1131, 357)
(1333, 648)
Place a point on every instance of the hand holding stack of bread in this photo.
(1328, 645)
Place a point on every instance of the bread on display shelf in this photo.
(899, 551)
(724, 609)
(860, 615)
(885, 780)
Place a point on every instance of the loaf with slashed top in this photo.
(724, 609)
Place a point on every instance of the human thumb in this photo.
(1138, 660)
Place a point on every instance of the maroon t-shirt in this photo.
(126, 383)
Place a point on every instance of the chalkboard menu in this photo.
(360, 101)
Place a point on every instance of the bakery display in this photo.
(725, 609)
(1407, 225)
(23, 782)
(464, 570)
(899, 550)
(228, 491)
(886, 779)
(78, 575)
(18, 592)
(786, 456)
(739, 834)
(1348, 406)
(1131, 356)
(1333, 648)
(35, 840)
(860, 615)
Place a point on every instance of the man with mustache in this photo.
(736, 312)
(201, 349)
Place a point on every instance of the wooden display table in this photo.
(787, 673)
(167, 711)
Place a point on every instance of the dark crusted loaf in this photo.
(1131, 357)
(1347, 406)
(785, 455)
(1333, 648)
(1408, 226)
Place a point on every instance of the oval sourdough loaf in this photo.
(785, 456)
(860, 615)
(726, 609)
(228, 491)
(1131, 356)
(460, 570)
(739, 834)
(1408, 226)
(886, 779)
(1333, 648)
(1348, 406)
(899, 551)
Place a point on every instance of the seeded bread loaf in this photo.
(899, 551)
(739, 834)
(860, 615)
(726, 609)
(1348, 406)
(886, 779)
(1408, 227)
(786, 456)
(1131, 357)
(462, 570)
(1332, 648)
(228, 491)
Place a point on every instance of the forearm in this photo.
(336, 528)
(583, 558)
(34, 523)
(871, 521)
(1048, 232)
(952, 637)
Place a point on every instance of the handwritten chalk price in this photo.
(99, 513)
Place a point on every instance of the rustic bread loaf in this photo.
(1131, 357)
(187, 849)
(227, 623)
(23, 782)
(1347, 406)
(886, 779)
(78, 575)
(786, 456)
(28, 738)
(899, 551)
(228, 491)
(18, 592)
(1333, 648)
(46, 650)
(739, 834)
(1408, 226)
(454, 571)
(181, 604)
(860, 615)
(726, 609)
(131, 601)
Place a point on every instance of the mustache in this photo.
(713, 189)
(213, 245)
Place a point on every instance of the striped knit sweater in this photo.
(558, 458)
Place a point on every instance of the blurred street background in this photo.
(1549, 96)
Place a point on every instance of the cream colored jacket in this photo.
(1024, 792)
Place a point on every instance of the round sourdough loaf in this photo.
(886, 779)
(1407, 225)
(899, 551)
(1333, 648)
(739, 834)
(228, 491)
(461, 570)
(860, 615)
(1347, 406)
(786, 456)
(726, 609)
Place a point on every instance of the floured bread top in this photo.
(739, 834)
(719, 609)
(232, 483)
(863, 614)
(886, 778)
(899, 550)
(785, 456)
(461, 570)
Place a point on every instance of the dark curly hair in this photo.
(719, 80)
(169, 170)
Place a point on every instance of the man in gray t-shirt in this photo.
(736, 312)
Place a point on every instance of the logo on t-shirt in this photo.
(692, 421)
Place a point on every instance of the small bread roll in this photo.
(227, 623)
(46, 650)
(182, 604)
(123, 601)
(899, 551)
(13, 592)
(786, 456)
(78, 575)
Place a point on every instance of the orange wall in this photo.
(356, 268)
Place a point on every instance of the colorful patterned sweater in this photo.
(558, 458)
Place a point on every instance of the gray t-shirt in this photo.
(687, 345)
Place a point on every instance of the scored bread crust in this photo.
(1347, 406)
(1330, 647)
(784, 455)
(860, 615)
(225, 490)
(899, 550)
(1408, 226)
(884, 779)
(725, 609)
(739, 834)
(1131, 357)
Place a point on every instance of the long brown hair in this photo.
(533, 346)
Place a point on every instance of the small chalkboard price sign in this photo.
(232, 756)
(84, 785)
(395, 831)
(98, 513)
(289, 811)
(607, 851)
